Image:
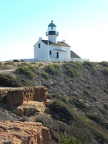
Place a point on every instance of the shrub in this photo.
(55, 127)
(24, 64)
(69, 139)
(7, 80)
(99, 132)
(78, 103)
(71, 72)
(52, 69)
(25, 70)
(94, 117)
(33, 69)
(98, 119)
(77, 65)
(105, 106)
(44, 75)
(61, 111)
(87, 63)
(105, 71)
(15, 60)
(104, 63)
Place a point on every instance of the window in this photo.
(39, 45)
(57, 54)
(50, 52)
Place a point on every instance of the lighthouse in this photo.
(51, 50)
(52, 33)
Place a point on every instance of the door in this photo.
(57, 54)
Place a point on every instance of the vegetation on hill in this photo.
(77, 111)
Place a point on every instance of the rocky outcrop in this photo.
(17, 96)
(24, 100)
(23, 133)
(3, 94)
(29, 108)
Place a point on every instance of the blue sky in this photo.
(82, 23)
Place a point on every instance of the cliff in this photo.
(24, 101)
(78, 99)
(23, 133)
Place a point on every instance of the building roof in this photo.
(74, 55)
(61, 44)
(52, 24)
(60, 50)
(46, 42)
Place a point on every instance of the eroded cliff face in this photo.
(23, 133)
(3, 94)
(24, 101)
(17, 96)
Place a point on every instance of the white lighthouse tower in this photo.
(52, 33)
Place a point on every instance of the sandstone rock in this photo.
(18, 99)
(40, 94)
(23, 133)
(29, 108)
(3, 94)
(17, 96)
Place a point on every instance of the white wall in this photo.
(52, 38)
(41, 52)
(62, 55)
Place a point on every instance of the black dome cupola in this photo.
(52, 26)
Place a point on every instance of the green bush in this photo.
(24, 70)
(61, 111)
(71, 72)
(52, 69)
(87, 63)
(104, 63)
(8, 81)
(24, 64)
(105, 71)
(77, 65)
(78, 103)
(69, 139)
(54, 126)
(44, 75)
(15, 60)
(94, 117)
(98, 119)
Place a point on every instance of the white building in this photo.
(53, 50)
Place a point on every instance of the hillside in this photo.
(77, 109)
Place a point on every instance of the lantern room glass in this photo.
(52, 28)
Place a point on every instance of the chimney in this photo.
(40, 38)
(63, 41)
(48, 42)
